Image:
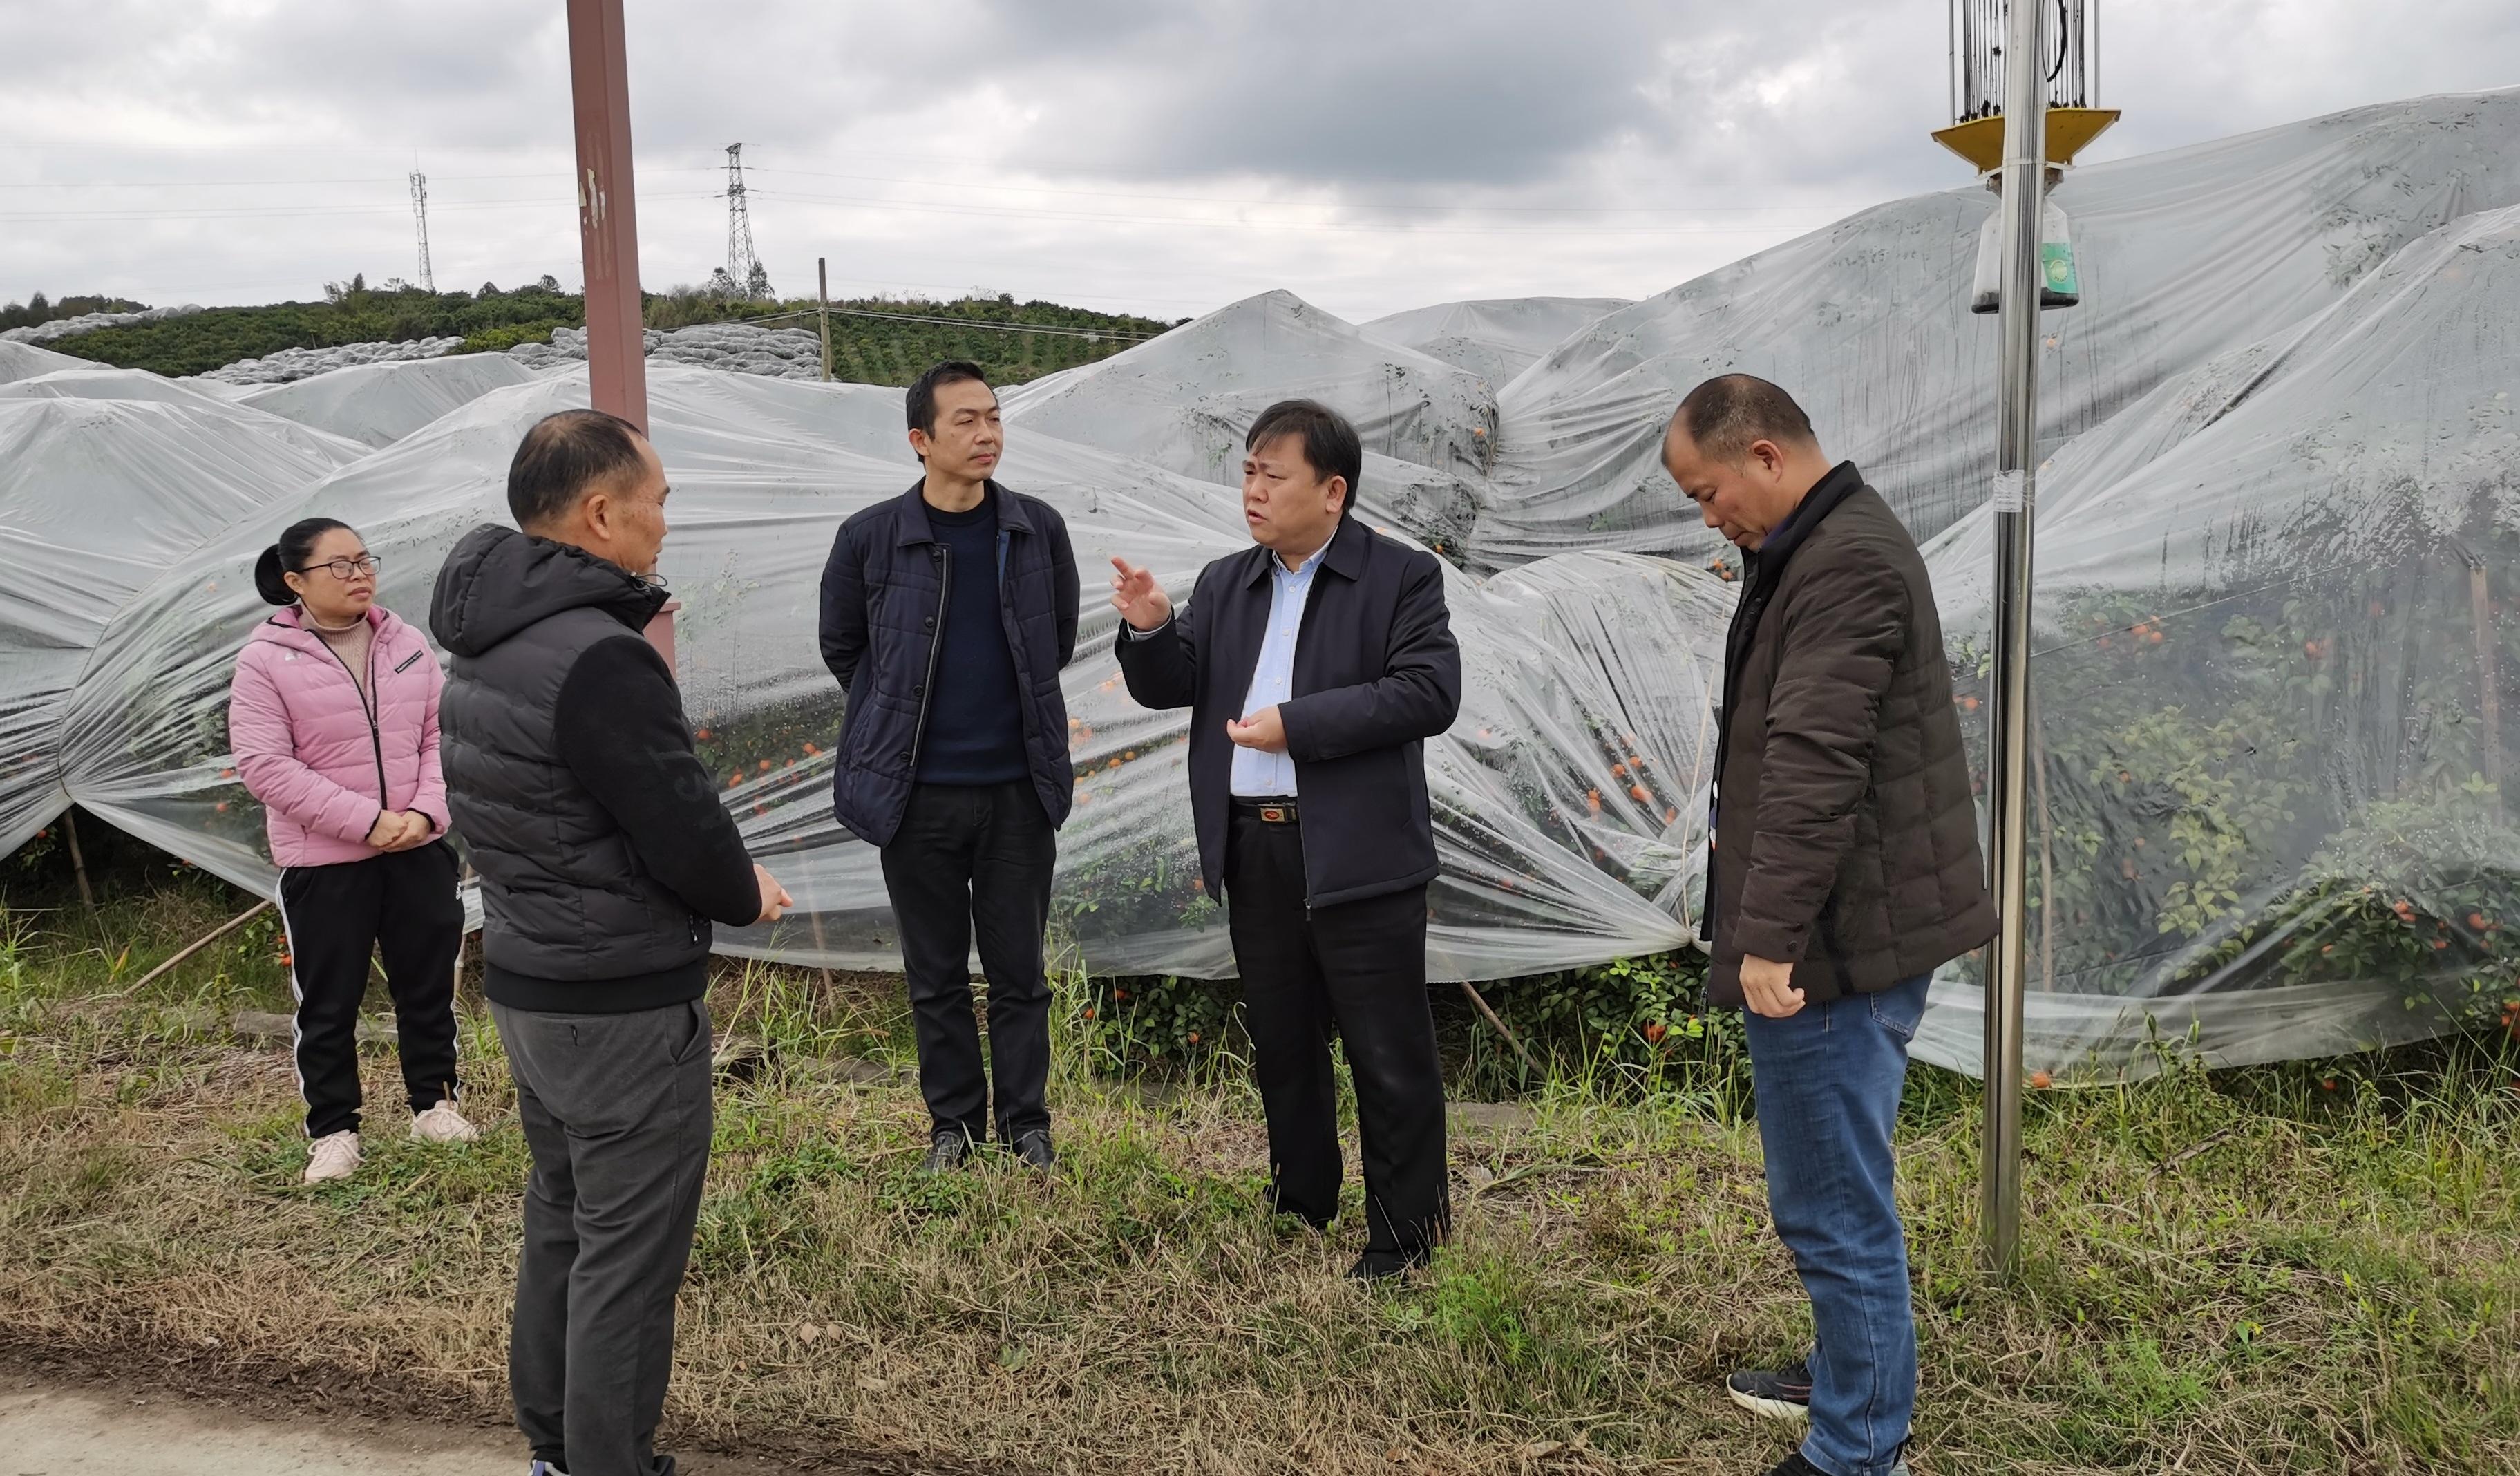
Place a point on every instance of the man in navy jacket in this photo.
(948, 613)
(1316, 664)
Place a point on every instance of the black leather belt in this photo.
(1272, 812)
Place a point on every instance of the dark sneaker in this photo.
(1780, 1394)
(947, 1148)
(1383, 1265)
(1033, 1145)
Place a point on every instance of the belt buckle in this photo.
(1274, 815)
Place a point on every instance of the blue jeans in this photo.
(1829, 1080)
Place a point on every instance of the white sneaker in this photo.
(441, 1123)
(336, 1155)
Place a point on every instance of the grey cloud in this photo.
(1806, 108)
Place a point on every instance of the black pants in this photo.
(402, 904)
(967, 858)
(617, 1115)
(1360, 967)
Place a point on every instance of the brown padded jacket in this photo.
(1846, 839)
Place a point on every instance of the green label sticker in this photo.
(2057, 266)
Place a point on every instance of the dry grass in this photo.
(2329, 1286)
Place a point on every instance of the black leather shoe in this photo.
(947, 1148)
(1383, 1265)
(1033, 1145)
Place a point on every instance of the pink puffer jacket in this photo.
(306, 748)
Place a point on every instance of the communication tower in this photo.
(419, 218)
(743, 269)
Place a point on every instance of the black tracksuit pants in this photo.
(1359, 966)
(977, 858)
(404, 905)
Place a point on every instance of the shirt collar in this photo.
(1311, 561)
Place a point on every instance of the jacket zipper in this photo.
(935, 646)
(368, 708)
(1303, 626)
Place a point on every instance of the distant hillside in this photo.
(870, 350)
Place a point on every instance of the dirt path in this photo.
(57, 1428)
(54, 1430)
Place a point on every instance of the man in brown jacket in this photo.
(1845, 870)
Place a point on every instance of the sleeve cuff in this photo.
(1130, 634)
(1767, 940)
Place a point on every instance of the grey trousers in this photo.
(617, 1114)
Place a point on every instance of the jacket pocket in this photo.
(694, 1020)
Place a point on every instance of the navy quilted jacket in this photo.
(883, 605)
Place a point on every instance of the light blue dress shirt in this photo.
(1259, 774)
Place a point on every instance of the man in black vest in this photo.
(948, 613)
(1315, 665)
(604, 856)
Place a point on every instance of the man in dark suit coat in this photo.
(1316, 664)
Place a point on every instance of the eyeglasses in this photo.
(346, 569)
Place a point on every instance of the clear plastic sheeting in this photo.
(2273, 630)
(1185, 400)
(1569, 800)
(88, 323)
(1494, 339)
(2277, 558)
(98, 498)
(289, 364)
(25, 361)
(781, 353)
(139, 384)
(378, 404)
(2185, 257)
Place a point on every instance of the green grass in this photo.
(2246, 1271)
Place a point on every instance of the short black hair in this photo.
(1331, 446)
(920, 401)
(562, 456)
(1729, 412)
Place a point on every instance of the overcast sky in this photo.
(1162, 157)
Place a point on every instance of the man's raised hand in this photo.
(1138, 598)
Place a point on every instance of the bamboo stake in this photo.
(204, 941)
(78, 861)
(1510, 1038)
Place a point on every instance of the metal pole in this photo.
(823, 295)
(2025, 164)
(607, 217)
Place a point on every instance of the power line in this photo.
(356, 179)
(1014, 213)
(539, 203)
(1090, 333)
(1327, 204)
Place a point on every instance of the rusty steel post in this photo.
(607, 217)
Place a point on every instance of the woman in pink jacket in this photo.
(333, 721)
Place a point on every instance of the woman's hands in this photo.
(401, 830)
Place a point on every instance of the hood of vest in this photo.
(499, 581)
